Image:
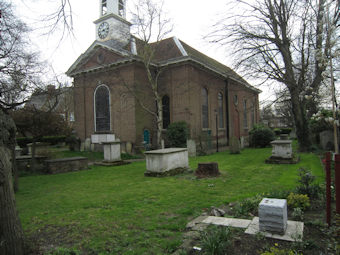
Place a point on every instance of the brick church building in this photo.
(209, 96)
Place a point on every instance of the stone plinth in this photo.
(282, 153)
(282, 149)
(102, 138)
(111, 151)
(166, 161)
(273, 215)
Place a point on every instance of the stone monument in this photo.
(273, 215)
(282, 152)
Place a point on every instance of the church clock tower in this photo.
(112, 24)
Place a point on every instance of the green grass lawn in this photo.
(116, 210)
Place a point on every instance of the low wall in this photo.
(64, 165)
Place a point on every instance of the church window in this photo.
(121, 8)
(104, 7)
(102, 109)
(220, 110)
(166, 111)
(245, 120)
(205, 108)
(253, 114)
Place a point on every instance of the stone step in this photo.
(228, 222)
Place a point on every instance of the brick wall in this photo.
(182, 83)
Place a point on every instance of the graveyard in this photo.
(119, 210)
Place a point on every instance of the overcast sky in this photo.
(192, 20)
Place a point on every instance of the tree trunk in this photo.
(15, 170)
(11, 234)
(301, 123)
(159, 122)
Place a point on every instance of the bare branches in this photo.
(150, 21)
(19, 67)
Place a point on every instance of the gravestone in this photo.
(234, 145)
(327, 140)
(273, 215)
(207, 169)
(191, 145)
(87, 144)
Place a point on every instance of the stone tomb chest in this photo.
(273, 215)
(166, 161)
(282, 149)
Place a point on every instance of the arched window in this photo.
(104, 7)
(205, 108)
(166, 111)
(102, 109)
(220, 110)
(245, 119)
(253, 114)
(121, 8)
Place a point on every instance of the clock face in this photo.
(103, 30)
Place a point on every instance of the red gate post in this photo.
(328, 188)
(337, 182)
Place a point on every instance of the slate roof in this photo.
(168, 51)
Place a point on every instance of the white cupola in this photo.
(112, 24)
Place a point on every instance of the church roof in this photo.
(167, 52)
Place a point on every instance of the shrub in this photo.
(298, 214)
(23, 141)
(298, 201)
(248, 206)
(177, 134)
(217, 240)
(261, 136)
(286, 131)
(306, 185)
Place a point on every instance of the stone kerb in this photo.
(64, 165)
(168, 161)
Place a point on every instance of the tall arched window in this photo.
(104, 8)
(166, 111)
(220, 110)
(245, 119)
(121, 8)
(102, 109)
(205, 108)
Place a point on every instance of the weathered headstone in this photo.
(273, 215)
(87, 144)
(191, 145)
(234, 145)
(207, 169)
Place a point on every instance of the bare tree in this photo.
(18, 75)
(151, 26)
(287, 41)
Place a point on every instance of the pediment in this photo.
(96, 56)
